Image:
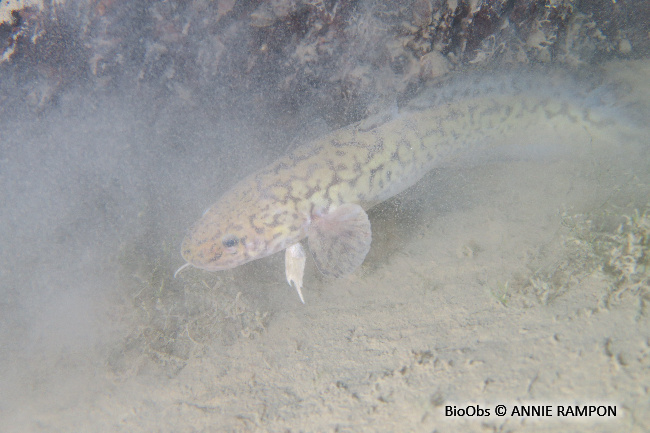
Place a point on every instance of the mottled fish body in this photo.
(321, 190)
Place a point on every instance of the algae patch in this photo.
(610, 245)
(170, 321)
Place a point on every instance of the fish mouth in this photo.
(211, 263)
(199, 254)
(204, 255)
(206, 267)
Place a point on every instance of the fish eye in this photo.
(230, 241)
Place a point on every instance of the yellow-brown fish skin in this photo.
(365, 164)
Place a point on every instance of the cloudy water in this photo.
(515, 270)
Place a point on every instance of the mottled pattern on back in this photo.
(365, 164)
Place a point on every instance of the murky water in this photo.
(510, 278)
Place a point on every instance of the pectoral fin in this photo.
(340, 240)
(294, 266)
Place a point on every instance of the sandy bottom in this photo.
(482, 288)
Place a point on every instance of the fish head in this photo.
(244, 225)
